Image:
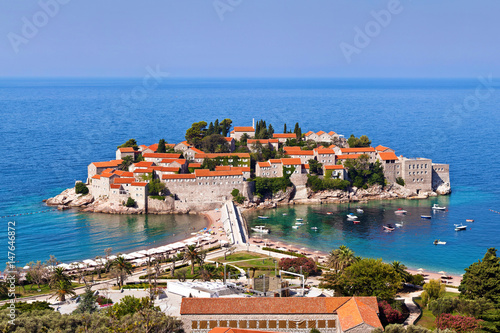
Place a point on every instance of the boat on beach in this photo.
(460, 227)
(437, 207)
(295, 226)
(428, 217)
(261, 229)
(439, 242)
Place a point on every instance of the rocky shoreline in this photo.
(87, 203)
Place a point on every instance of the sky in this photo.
(250, 38)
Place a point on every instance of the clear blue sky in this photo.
(256, 38)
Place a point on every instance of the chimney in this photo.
(253, 123)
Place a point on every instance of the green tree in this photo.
(433, 289)
(298, 132)
(244, 138)
(284, 128)
(58, 275)
(196, 133)
(62, 289)
(130, 143)
(192, 254)
(122, 269)
(130, 202)
(129, 305)
(126, 163)
(162, 148)
(225, 127)
(81, 188)
(214, 143)
(365, 277)
(315, 167)
(341, 258)
(400, 181)
(443, 305)
(210, 129)
(481, 279)
(401, 270)
(156, 187)
(88, 302)
(355, 142)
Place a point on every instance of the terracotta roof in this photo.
(325, 151)
(347, 157)
(122, 173)
(305, 166)
(196, 150)
(165, 169)
(292, 148)
(96, 177)
(124, 180)
(388, 156)
(244, 129)
(126, 150)
(284, 135)
(109, 170)
(356, 312)
(291, 161)
(309, 133)
(242, 169)
(274, 140)
(181, 161)
(140, 184)
(194, 165)
(161, 155)
(115, 186)
(334, 167)
(254, 141)
(143, 147)
(228, 139)
(275, 161)
(237, 330)
(320, 133)
(107, 175)
(185, 143)
(179, 176)
(215, 155)
(168, 160)
(264, 164)
(357, 150)
(143, 164)
(109, 164)
(145, 170)
(222, 168)
(381, 148)
(332, 146)
(331, 133)
(154, 147)
(300, 152)
(262, 305)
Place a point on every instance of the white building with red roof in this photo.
(238, 132)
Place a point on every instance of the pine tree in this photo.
(88, 302)
(161, 146)
(284, 129)
(217, 129)
(270, 131)
(211, 129)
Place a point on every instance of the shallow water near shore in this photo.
(52, 129)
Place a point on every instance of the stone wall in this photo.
(417, 174)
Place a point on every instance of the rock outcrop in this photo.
(70, 199)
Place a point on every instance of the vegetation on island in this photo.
(211, 139)
(237, 196)
(81, 188)
(363, 173)
(355, 142)
(130, 202)
(130, 143)
(270, 186)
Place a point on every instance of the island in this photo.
(253, 166)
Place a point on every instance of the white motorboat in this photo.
(261, 229)
(299, 223)
(295, 226)
(400, 211)
(437, 207)
(399, 225)
(351, 216)
(314, 228)
(359, 210)
(439, 242)
(263, 217)
(299, 219)
(388, 227)
(460, 227)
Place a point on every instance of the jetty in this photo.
(234, 224)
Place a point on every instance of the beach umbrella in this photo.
(442, 272)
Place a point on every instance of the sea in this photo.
(51, 129)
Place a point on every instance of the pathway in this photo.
(412, 307)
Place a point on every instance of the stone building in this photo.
(392, 166)
(417, 174)
(238, 132)
(273, 144)
(127, 151)
(325, 156)
(336, 171)
(241, 159)
(281, 314)
(440, 175)
(96, 168)
(321, 136)
(282, 137)
(158, 157)
(370, 151)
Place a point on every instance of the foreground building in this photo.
(287, 314)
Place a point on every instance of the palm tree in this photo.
(63, 288)
(123, 268)
(192, 255)
(400, 269)
(341, 258)
(57, 276)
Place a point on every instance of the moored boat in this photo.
(388, 227)
(400, 211)
(460, 227)
(295, 226)
(359, 210)
(439, 242)
(351, 216)
(261, 229)
(428, 217)
(469, 220)
(299, 219)
(263, 217)
(314, 228)
(437, 207)
(356, 222)
(399, 225)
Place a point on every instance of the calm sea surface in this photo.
(52, 129)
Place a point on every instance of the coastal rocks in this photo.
(107, 207)
(156, 206)
(70, 198)
(443, 189)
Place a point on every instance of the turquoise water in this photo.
(52, 129)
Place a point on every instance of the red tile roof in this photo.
(284, 135)
(179, 176)
(347, 157)
(122, 173)
(291, 161)
(228, 139)
(208, 173)
(244, 129)
(96, 177)
(196, 150)
(109, 164)
(331, 133)
(215, 155)
(145, 170)
(334, 167)
(274, 140)
(124, 180)
(115, 186)
(139, 184)
(275, 161)
(109, 170)
(165, 169)
(222, 168)
(309, 133)
(357, 311)
(261, 305)
(381, 148)
(194, 165)
(143, 164)
(300, 152)
(242, 169)
(388, 156)
(126, 150)
(254, 141)
(292, 148)
(154, 147)
(325, 151)
(320, 133)
(237, 330)
(305, 166)
(264, 164)
(107, 175)
(161, 155)
(357, 150)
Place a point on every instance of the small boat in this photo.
(399, 225)
(261, 229)
(356, 222)
(388, 227)
(263, 217)
(439, 242)
(436, 207)
(314, 228)
(299, 219)
(400, 211)
(299, 223)
(359, 210)
(351, 216)
(295, 226)
(469, 220)
(329, 213)
(285, 214)
(428, 217)
(459, 227)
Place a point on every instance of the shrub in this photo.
(81, 188)
(392, 315)
(101, 300)
(235, 192)
(308, 265)
(318, 184)
(400, 181)
(130, 202)
(266, 186)
(237, 196)
(443, 305)
(457, 323)
(417, 279)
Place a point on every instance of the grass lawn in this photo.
(248, 260)
(428, 320)
(33, 290)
